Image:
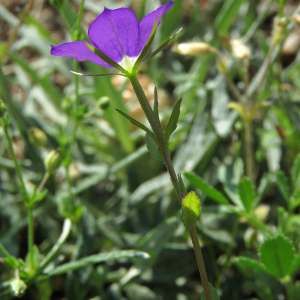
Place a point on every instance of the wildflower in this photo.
(240, 50)
(118, 35)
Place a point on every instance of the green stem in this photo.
(249, 149)
(158, 132)
(30, 235)
(201, 266)
(43, 182)
(17, 166)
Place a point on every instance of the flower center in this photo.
(128, 62)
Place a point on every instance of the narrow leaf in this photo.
(213, 293)
(277, 254)
(248, 262)
(156, 113)
(181, 184)
(97, 258)
(205, 188)
(106, 58)
(147, 46)
(152, 147)
(135, 122)
(100, 74)
(160, 48)
(246, 192)
(283, 184)
(172, 123)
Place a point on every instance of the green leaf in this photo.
(172, 123)
(283, 184)
(181, 184)
(296, 264)
(97, 258)
(205, 188)
(106, 58)
(277, 254)
(156, 113)
(32, 265)
(262, 188)
(153, 148)
(160, 48)
(296, 171)
(213, 293)
(190, 209)
(147, 46)
(248, 262)
(135, 122)
(246, 192)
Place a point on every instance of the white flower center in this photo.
(128, 62)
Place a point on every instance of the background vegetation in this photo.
(116, 195)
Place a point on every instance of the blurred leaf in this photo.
(205, 188)
(246, 192)
(277, 254)
(296, 264)
(296, 171)
(33, 265)
(97, 258)
(227, 15)
(213, 293)
(283, 184)
(262, 188)
(245, 261)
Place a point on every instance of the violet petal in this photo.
(116, 33)
(147, 23)
(78, 50)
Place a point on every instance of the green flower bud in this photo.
(17, 287)
(103, 103)
(57, 3)
(37, 137)
(52, 161)
(2, 109)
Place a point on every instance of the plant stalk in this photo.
(249, 149)
(201, 266)
(158, 132)
(30, 235)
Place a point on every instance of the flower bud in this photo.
(240, 50)
(37, 137)
(52, 161)
(222, 65)
(194, 48)
(17, 287)
(74, 172)
(261, 212)
(2, 109)
(103, 103)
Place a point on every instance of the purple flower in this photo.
(116, 33)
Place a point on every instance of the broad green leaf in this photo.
(296, 171)
(245, 261)
(283, 184)
(277, 254)
(205, 188)
(213, 293)
(246, 192)
(190, 209)
(152, 147)
(296, 264)
(147, 46)
(135, 122)
(161, 47)
(106, 58)
(172, 123)
(97, 258)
